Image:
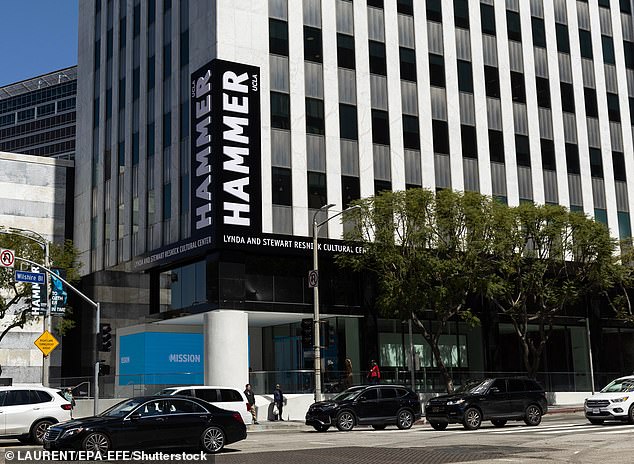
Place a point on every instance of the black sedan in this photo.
(151, 422)
(375, 405)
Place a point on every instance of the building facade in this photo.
(198, 180)
(37, 115)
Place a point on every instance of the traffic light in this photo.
(104, 369)
(105, 337)
(307, 333)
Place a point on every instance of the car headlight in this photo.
(620, 400)
(454, 402)
(72, 432)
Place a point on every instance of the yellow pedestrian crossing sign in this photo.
(46, 343)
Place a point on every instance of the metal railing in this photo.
(302, 381)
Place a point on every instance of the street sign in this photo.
(30, 277)
(46, 343)
(7, 257)
(313, 279)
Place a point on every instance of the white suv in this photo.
(230, 399)
(614, 402)
(27, 411)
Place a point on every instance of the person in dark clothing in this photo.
(278, 400)
(251, 399)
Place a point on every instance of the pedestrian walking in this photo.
(278, 402)
(347, 376)
(68, 396)
(374, 376)
(248, 392)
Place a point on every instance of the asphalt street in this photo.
(560, 438)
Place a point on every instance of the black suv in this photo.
(376, 405)
(497, 400)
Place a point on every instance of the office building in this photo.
(198, 180)
(37, 115)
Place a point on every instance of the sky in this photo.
(36, 37)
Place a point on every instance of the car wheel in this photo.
(533, 415)
(345, 421)
(472, 419)
(630, 416)
(38, 430)
(213, 439)
(438, 425)
(499, 422)
(596, 421)
(379, 426)
(321, 428)
(96, 442)
(405, 419)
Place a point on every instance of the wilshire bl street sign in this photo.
(30, 277)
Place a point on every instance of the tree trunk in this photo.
(441, 365)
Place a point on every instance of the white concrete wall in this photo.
(226, 348)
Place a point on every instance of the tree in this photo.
(15, 297)
(547, 259)
(428, 253)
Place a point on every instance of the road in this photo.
(560, 438)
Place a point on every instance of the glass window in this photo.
(461, 13)
(17, 397)
(516, 385)
(280, 111)
(601, 215)
(563, 41)
(316, 189)
(380, 127)
(626, 7)
(492, 81)
(375, 3)
(631, 104)
(167, 129)
(604, 3)
(517, 87)
(441, 136)
(548, 154)
(436, 70)
(228, 395)
(567, 97)
(167, 61)
(312, 44)
(585, 42)
(618, 164)
(388, 393)
(608, 49)
(40, 396)
(572, 158)
(628, 48)
(543, 92)
(345, 51)
(43, 110)
(369, 395)
(185, 407)
(411, 132)
(487, 17)
(522, 150)
(278, 37)
(282, 187)
(408, 64)
(208, 394)
(539, 32)
(26, 115)
(465, 76)
(434, 10)
(500, 384)
(590, 96)
(614, 112)
(150, 139)
(625, 227)
(596, 163)
(469, 141)
(496, 146)
(513, 24)
(378, 64)
(405, 7)
(167, 202)
(315, 116)
(350, 189)
(348, 122)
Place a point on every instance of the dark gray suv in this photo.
(496, 399)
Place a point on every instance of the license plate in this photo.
(596, 411)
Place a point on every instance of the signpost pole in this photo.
(95, 305)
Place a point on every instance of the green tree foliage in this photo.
(428, 252)
(547, 260)
(15, 297)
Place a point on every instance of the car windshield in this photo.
(619, 386)
(121, 409)
(348, 394)
(167, 391)
(474, 386)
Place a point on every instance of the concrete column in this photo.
(226, 335)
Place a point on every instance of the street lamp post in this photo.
(97, 307)
(46, 362)
(316, 330)
(587, 320)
